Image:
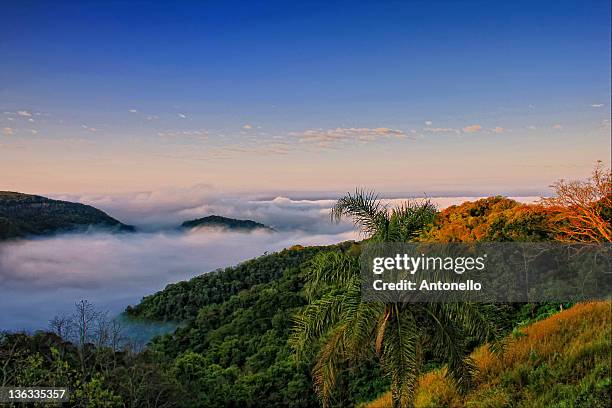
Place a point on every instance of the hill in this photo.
(561, 361)
(231, 346)
(492, 219)
(217, 221)
(22, 215)
(183, 300)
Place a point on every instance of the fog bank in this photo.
(41, 278)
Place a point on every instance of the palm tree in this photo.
(348, 328)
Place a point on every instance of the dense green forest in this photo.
(183, 300)
(217, 221)
(22, 215)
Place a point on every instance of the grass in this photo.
(560, 362)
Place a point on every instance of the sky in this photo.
(283, 98)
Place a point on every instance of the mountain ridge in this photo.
(217, 221)
(23, 215)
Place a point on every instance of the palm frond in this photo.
(368, 213)
(448, 339)
(319, 317)
(325, 371)
(362, 319)
(409, 219)
(381, 327)
(478, 320)
(401, 355)
(330, 268)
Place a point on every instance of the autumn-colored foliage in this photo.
(564, 359)
(492, 219)
(584, 208)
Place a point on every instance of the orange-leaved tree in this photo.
(584, 208)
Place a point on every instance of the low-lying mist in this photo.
(44, 277)
(41, 278)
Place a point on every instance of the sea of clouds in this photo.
(43, 277)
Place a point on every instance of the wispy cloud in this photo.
(332, 137)
(498, 129)
(182, 116)
(24, 113)
(247, 126)
(597, 105)
(472, 128)
(7, 131)
(557, 126)
(440, 130)
(198, 133)
(133, 110)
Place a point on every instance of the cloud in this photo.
(115, 270)
(164, 208)
(498, 129)
(333, 137)
(133, 110)
(182, 116)
(557, 126)
(24, 113)
(472, 128)
(91, 129)
(441, 130)
(196, 134)
(597, 105)
(428, 123)
(247, 127)
(7, 131)
(531, 127)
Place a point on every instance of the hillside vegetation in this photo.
(561, 361)
(231, 348)
(23, 215)
(183, 300)
(217, 221)
(492, 219)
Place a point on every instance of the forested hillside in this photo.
(183, 300)
(232, 348)
(492, 219)
(24, 214)
(216, 221)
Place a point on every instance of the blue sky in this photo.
(399, 96)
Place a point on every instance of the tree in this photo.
(375, 219)
(584, 208)
(399, 333)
